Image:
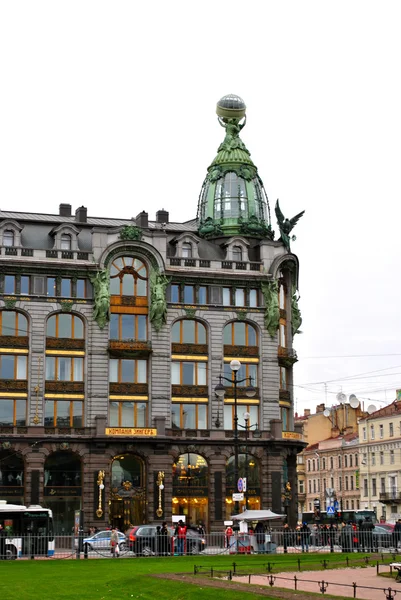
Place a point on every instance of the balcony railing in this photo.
(390, 497)
(227, 265)
(36, 253)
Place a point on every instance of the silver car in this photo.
(101, 541)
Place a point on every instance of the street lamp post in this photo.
(247, 427)
(250, 391)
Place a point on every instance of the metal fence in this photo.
(276, 541)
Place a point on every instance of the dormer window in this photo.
(237, 253)
(187, 250)
(8, 238)
(65, 240)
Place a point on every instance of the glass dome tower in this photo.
(233, 200)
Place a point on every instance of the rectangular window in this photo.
(12, 412)
(351, 481)
(310, 486)
(253, 298)
(346, 483)
(215, 295)
(128, 327)
(202, 294)
(391, 429)
(356, 460)
(128, 414)
(365, 488)
(391, 457)
(340, 484)
(189, 294)
(373, 456)
(188, 373)
(239, 297)
(63, 368)
(226, 296)
(51, 286)
(229, 415)
(283, 378)
(345, 461)
(382, 458)
(174, 292)
(372, 432)
(301, 486)
(350, 460)
(25, 285)
(83, 289)
(382, 485)
(283, 335)
(364, 433)
(123, 370)
(9, 284)
(13, 367)
(66, 288)
(189, 416)
(63, 413)
(374, 490)
(381, 432)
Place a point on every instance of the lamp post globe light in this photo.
(250, 391)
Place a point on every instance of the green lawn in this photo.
(129, 578)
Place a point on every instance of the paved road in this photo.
(361, 576)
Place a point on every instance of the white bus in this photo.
(29, 530)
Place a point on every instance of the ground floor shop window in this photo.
(11, 477)
(191, 488)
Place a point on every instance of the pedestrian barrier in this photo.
(273, 541)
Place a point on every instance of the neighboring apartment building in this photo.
(380, 464)
(328, 467)
(113, 336)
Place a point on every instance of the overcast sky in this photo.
(111, 105)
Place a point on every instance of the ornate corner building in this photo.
(114, 334)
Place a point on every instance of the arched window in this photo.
(248, 467)
(128, 277)
(239, 333)
(13, 323)
(65, 241)
(187, 250)
(308, 465)
(64, 325)
(237, 253)
(191, 488)
(188, 331)
(8, 237)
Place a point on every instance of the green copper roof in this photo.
(233, 200)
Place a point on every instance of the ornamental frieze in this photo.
(64, 344)
(189, 349)
(197, 391)
(249, 351)
(14, 341)
(119, 348)
(129, 388)
(241, 392)
(64, 387)
(13, 385)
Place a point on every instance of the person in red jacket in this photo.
(181, 534)
(229, 532)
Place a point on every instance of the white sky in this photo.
(111, 105)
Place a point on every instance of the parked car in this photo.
(101, 541)
(143, 539)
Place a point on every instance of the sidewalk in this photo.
(361, 576)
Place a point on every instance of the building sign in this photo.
(291, 435)
(136, 431)
(60, 491)
(11, 491)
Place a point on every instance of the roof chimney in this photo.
(162, 216)
(64, 210)
(81, 214)
(306, 412)
(142, 220)
(320, 408)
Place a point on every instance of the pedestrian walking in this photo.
(305, 537)
(114, 548)
(181, 534)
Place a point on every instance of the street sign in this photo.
(238, 497)
(330, 510)
(240, 485)
(336, 505)
(244, 483)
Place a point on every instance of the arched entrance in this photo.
(11, 477)
(191, 488)
(127, 496)
(248, 467)
(62, 488)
